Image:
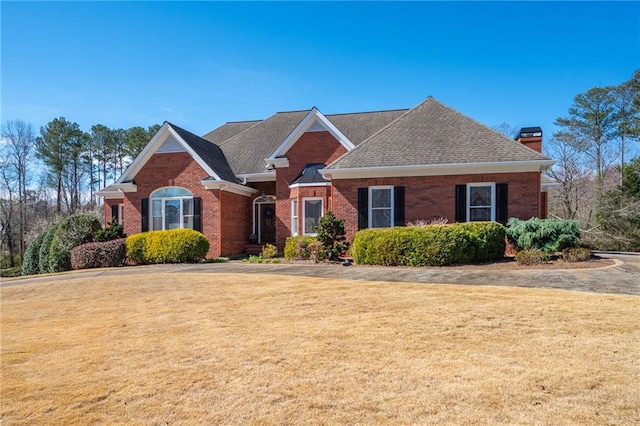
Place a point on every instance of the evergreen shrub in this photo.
(43, 254)
(30, 264)
(431, 245)
(331, 234)
(532, 256)
(71, 232)
(576, 254)
(298, 247)
(172, 246)
(99, 255)
(549, 235)
(113, 231)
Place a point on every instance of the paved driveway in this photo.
(623, 277)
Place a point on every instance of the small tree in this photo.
(331, 234)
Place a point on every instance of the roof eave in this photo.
(229, 187)
(438, 169)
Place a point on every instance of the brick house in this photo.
(276, 177)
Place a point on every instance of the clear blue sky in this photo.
(200, 64)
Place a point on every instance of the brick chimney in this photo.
(531, 137)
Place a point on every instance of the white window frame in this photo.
(304, 213)
(163, 210)
(294, 217)
(391, 204)
(493, 199)
(120, 213)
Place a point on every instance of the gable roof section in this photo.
(436, 136)
(247, 150)
(206, 154)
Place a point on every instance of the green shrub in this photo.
(113, 231)
(297, 247)
(71, 232)
(532, 256)
(331, 234)
(43, 254)
(576, 254)
(430, 245)
(99, 255)
(317, 251)
(549, 235)
(30, 265)
(269, 251)
(173, 246)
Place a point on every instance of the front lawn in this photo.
(247, 349)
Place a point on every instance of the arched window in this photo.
(171, 208)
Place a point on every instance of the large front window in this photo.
(171, 208)
(481, 202)
(381, 206)
(312, 212)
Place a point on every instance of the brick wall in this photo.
(174, 169)
(432, 197)
(235, 225)
(312, 147)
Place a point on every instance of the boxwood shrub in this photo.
(71, 232)
(432, 245)
(30, 265)
(99, 255)
(173, 246)
(298, 247)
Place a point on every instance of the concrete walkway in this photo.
(621, 278)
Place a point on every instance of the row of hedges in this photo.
(173, 246)
(433, 245)
(99, 255)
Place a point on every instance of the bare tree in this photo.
(19, 138)
(507, 129)
(8, 205)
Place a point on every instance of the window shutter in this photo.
(115, 214)
(461, 203)
(398, 206)
(501, 203)
(363, 208)
(197, 207)
(144, 209)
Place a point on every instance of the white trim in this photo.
(370, 201)
(120, 213)
(493, 198)
(277, 163)
(294, 217)
(156, 142)
(228, 186)
(257, 177)
(258, 201)
(126, 187)
(438, 169)
(306, 185)
(307, 122)
(163, 212)
(304, 214)
(110, 195)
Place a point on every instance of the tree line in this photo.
(57, 172)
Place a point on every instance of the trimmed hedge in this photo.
(30, 264)
(173, 246)
(71, 232)
(43, 253)
(432, 245)
(298, 247)
(549, 235)
(99, 255)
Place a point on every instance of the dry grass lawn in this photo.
(236, 349)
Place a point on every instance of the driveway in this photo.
(622, 278)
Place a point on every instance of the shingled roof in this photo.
(209, 152)
(434, 134)
(229, 130)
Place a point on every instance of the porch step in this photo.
(253, 249)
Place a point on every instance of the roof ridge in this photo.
(368, 112)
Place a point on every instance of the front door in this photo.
(267, 223)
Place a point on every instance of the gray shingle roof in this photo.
(433, 133)
(246, 151)
(209, 152)
(359, 126)
(229, 130)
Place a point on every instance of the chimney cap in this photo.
(529, 132)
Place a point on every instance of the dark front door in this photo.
(267, 223)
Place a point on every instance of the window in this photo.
(120, 214)
(381, 206)
(171, 208)
(311, 212)
(481, 202)
(294, 217)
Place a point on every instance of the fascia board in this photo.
(257, 177)
(146, 153)
(110, 195)
(306, 185)
(229, 187)
(194, 155)
(438, 169)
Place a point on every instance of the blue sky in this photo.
(201, 64)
